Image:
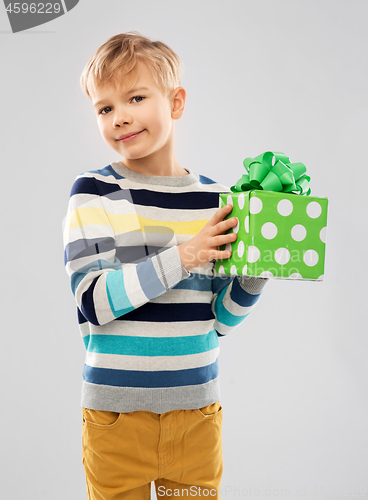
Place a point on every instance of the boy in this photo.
(141, 238)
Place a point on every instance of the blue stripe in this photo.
(204, 283)
(96, 265)
(177, 201)
(150, 379)
(81, 318)
(173, 312)
(151, 346)
(219, 283)
(84, 185)
(85, 341)
(84, 248)
(196, 281)
(118, 298)
(135, 254)
(242, 297)
(223, 315)
(148, 279)
(196, 200)
(205, 180)
(87, 304)
(116, 291)
(106, 171)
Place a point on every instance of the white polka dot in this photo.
(282, 256)
(228, 246)
(241, 201)
(314, 209)
(298, 232)
(240, 248)
(310, 258)
(229, 200)
(246, 224)
(221, 270)
(284, 207)
(269, 230)
(295, 276)
(233, 269)
(320, 278)
(253, 254)
(244, 271)
(236, 228)
(266, 274)
(255, 205)
(322, 234)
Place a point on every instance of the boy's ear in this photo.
(178, 102)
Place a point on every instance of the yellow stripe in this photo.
(122, 223)
(119, 225)
(87, 216)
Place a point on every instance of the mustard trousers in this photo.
(180, 450)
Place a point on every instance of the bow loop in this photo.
(272, 171)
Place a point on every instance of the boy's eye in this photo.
(104, 111)
(139, 97)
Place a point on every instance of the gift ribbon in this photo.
(273, 172)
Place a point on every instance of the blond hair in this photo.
(121, 53)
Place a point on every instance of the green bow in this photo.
(273, 172)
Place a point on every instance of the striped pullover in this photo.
(150, 328)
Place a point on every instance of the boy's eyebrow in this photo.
(129, 92)
(137, 89)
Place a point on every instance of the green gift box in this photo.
(280, 234)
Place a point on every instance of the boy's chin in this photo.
(131, 153)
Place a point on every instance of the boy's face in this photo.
(141, 112)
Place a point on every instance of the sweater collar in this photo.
(183, 180)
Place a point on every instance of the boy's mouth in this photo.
(128, 137)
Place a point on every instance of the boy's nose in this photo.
(121, 119)
(118, 123)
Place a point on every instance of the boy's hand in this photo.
(204, 246)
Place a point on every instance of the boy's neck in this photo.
(158, 166)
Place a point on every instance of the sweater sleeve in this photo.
(105, 288)
(234, 299)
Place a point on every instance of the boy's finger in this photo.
(223, 254)
(224, 225)
(221, 214)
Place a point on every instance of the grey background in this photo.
(284, 75)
